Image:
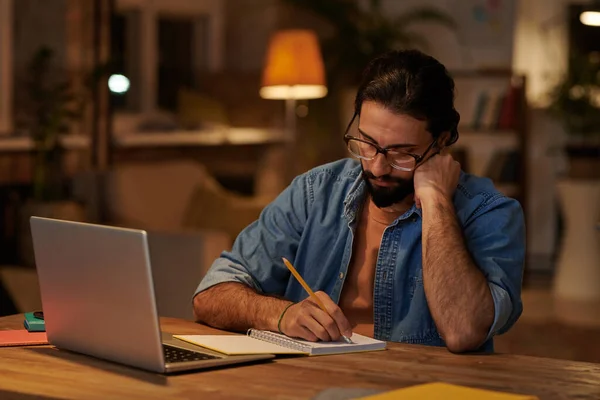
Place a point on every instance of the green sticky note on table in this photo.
(34, 324)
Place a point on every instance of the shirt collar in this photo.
(354, 198)
(356, 195)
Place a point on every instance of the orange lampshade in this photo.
(294, 66)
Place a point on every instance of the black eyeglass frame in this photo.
(384, 150)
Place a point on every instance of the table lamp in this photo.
(293, 70)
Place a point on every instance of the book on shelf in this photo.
(480, 107)
(507, 118)
(491, 113)
(496, 109)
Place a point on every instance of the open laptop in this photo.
(98, 298)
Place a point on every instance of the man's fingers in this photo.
(308, 320)
(327, 322)
(310, 323)
(306, 334)
(336, 313)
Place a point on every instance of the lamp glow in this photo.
(293, 92)
(293, 67)
(591, 18)
(118, 83)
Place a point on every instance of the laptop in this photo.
(98, 298)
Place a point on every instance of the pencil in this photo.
(309, 290)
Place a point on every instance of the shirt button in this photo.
(341, 275)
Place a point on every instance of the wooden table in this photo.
(29, 372)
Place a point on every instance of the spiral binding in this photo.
(278, 339)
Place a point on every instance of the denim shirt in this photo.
(312, 224)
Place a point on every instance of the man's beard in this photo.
(386, 196)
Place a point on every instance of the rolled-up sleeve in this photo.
(255, 258)
(503, 308)
(495, 237)
(226, 270)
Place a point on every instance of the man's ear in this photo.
(443, 139)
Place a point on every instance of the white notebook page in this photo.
(359, 343)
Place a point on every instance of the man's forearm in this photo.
(457, 292)
(235, 306)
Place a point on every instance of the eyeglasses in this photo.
(366, 150)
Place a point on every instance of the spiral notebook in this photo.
(265, 342)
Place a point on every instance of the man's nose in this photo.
(380, 166)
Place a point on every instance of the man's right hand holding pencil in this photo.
(306, 320)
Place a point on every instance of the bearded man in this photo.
(399, 242)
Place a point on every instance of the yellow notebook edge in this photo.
(184, 339)
(284, 350)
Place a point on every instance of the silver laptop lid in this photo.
(97, 291)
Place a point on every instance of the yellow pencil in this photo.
(309, 290)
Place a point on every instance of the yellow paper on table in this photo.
(446, 391)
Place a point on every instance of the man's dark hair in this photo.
(413, 83)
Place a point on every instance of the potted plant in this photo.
(47, 107)
(575, 102)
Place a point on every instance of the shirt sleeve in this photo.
(495, 237)
(256, 255)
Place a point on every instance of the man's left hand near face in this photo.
(438, 176)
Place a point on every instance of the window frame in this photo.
(150, 11)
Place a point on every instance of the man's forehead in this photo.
(400, 129)
(371, 110)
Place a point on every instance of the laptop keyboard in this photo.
(175, 354)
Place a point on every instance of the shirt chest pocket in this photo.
(415, 282)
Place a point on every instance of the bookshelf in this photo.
(493, 128)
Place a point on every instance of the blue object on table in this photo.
(33, 323)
